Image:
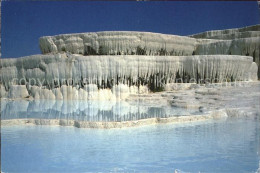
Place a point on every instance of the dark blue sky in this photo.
(24, 22)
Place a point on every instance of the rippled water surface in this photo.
(219, 146)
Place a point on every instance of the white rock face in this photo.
(18, 91)
(240, 41)
(2, 91)
(118, 42)
(42, 93)
(252, 72)
(227, 34)
(243, 46)
(240, 100)
(70, 76)
(120, 63)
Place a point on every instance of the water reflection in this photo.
(219, 146)
(87, 110)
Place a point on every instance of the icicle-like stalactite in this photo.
(118, 43)
(243, 46)
(68, 76)
(240, 41)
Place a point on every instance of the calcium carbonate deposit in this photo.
(204, 87)
(241, 41)
(115, 64)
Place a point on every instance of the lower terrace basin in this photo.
(230, 145)
(174, 138)
(194, 103)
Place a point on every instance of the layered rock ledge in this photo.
(64, 76)
(109, 125)
(238, 41)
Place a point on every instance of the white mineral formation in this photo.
(118, 42)
(240, 41)
(18, 91)
(227, 34)
(243, 46)
(73, 76)
(208, 102)
(115, 64)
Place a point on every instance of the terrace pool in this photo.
(93, 111)
(230, 145)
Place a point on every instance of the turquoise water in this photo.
(221, 146)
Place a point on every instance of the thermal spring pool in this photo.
(227, 141)
(230, 145)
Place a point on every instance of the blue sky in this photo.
(24, 22)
